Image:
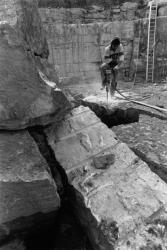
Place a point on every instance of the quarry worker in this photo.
(113, 58)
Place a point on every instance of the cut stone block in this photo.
(122, 206)
(27, 191)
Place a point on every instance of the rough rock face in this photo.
(26, 188)
(23, 15)
(25, 99)
(118, 199)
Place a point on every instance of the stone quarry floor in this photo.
(147, 137)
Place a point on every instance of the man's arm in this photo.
(120, 58)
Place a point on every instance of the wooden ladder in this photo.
(151, 41)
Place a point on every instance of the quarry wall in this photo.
(77, 34)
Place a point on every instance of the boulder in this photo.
(28, 194)
(121, 203)
(25, 99)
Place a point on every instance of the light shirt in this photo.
(117, 55)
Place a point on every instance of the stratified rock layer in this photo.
(27, 191)
(119, 200)
(25, 99)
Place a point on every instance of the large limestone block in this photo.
(23, 16)
(25, 99)
(27, 191)
(118, 199)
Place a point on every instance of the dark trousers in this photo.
(108, 66)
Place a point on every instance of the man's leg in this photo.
(114, 81)
(103, 69)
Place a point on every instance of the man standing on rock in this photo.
(113, 58)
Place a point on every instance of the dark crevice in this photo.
(118, 115)
(114, 117)
(57, 171)
(66, 233)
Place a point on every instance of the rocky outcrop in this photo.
(25, 99)
(121, 203)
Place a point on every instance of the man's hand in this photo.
(116, 67)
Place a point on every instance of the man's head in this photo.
(115, 43)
